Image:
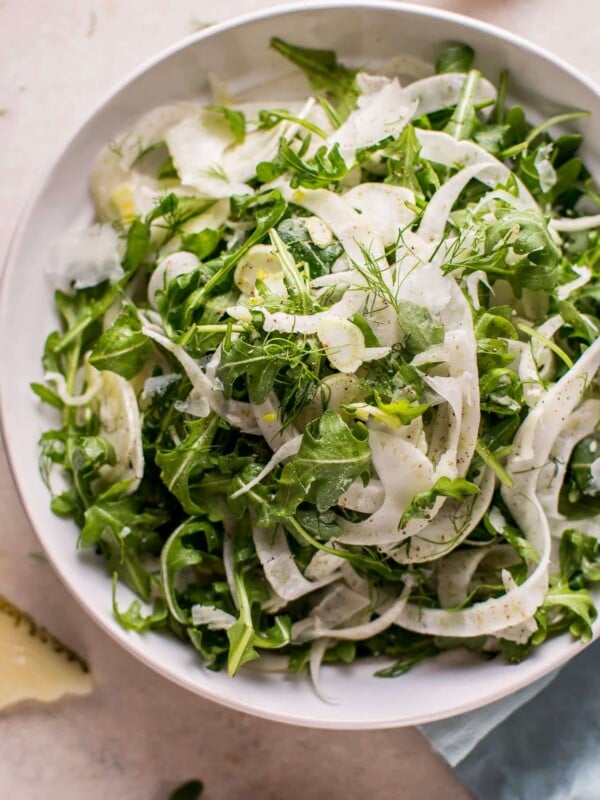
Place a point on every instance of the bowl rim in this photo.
(10, 260)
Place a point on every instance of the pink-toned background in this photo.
(137, 736)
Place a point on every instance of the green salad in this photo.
(327, 371)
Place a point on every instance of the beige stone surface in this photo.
(138, 736)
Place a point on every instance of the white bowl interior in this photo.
(363, 34)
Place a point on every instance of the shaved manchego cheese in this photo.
(34, 665)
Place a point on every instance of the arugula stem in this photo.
(539, 129)
(94, 311)
(462, 120)
(358, 560)
(331, 112)
(546, 342)
(492, 462)
(222, 327)
(279, 114)
(500, 107)
(291, 273)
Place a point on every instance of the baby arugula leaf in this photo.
(575, 610)
(167, 170)
(455, 57)
(138, 242)
(456, 488)
(579, 558)
(47, 395)
(516, 246)
(184, 465)
(402, 409)
(327, 166)
(235, 119)
(241, 633)
(259, 362)
(403, 162)
(123, 348)
(319, 260)
(181, 550)
(579, 496)
(325, 74)
(244, 636)
(568, 604)
(201, 244)
(526, 234)
(417, 326)
(581, 464)
(87, 455)
(322, 525)
(124, 546)
(523, 547)
(582, 328)
(116, 515)
(330, 458)
(172, 212)
(132, 618)
(531, 134)
(491, 137)
(288, 363)
(500, 391)
(257, 499)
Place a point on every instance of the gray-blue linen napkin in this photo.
(542, 743)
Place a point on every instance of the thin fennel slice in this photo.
(280, 568)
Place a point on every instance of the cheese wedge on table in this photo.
(34, 665)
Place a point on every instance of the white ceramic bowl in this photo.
(362, 33)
